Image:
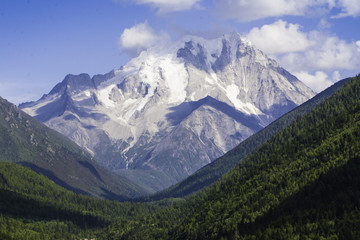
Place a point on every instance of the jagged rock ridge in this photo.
(174, 108)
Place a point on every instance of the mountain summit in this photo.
(172, 109)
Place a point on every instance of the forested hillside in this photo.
(302, 183)
(33, 207)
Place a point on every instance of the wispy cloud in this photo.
(11, 89)
(349, 8)
(166, 6)
(249, 10)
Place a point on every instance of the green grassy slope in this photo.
(212, 172)
(26, 141)
(301, 184)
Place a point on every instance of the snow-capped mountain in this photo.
(174, 108)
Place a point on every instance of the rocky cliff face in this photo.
(174, 108)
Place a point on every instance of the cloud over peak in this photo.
(140, 37)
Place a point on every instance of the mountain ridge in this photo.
(122, 119)
(303, 182)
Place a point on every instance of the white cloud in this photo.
(318, 81)
(279, 37)
(313, 56)
(297, 50)
(349, 8)
(165, 6)
(329, 55)
(140, 37)
(333, 53)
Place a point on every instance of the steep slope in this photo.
(174, 108)
(302, 183)
(212, 172)
(26, 141)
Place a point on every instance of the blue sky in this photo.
(41, 41)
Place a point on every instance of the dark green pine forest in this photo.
(302, 183)
(33, 207)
